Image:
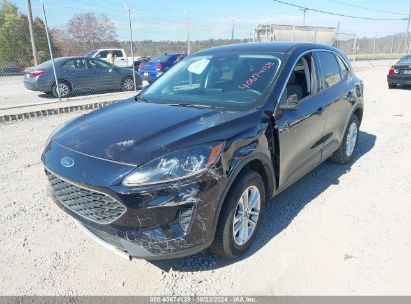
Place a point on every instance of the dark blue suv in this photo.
(190, 162)
(154, 68)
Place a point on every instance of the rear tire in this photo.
(238, 225)
(345, 153)
(65, 89)
(392, 85)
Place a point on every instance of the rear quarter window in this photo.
(343, 67)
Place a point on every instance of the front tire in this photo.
(65, 89)
(240, 216)
(128, 84)
(345, 153)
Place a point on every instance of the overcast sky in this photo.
(165, 19)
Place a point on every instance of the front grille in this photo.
(92, 205)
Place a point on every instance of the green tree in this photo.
(15, 45)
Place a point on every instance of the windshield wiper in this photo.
(191, 105)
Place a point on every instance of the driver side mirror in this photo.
(290, 104)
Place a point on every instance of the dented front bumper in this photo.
(163, 222)
(160, 221)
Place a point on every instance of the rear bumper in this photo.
(35, 85)
(32, 86)
(399, 79)
(150, 77)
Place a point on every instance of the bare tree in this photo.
(91, 31)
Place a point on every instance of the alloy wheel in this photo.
(63, 89)
(128, 84)
(351, 140)
(246, 215)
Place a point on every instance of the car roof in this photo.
(73, 57)
(267, 47)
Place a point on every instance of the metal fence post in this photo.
(131, 48)
(392, 45)
(355, 48)
(188, 33)
(51, 50)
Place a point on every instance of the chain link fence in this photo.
(102, 33)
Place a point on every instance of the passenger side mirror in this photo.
(290, 104)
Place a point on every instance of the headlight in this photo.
(174, 166)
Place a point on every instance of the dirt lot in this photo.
(339, 230)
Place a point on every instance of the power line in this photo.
(367, 8)
(337, 14)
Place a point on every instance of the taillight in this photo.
(37, 73)
(159, 66)
(393, 71)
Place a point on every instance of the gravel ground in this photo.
(341, 230)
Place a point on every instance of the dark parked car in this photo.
(190, 162)
(400, 73)
(155, 67)
(79, 74)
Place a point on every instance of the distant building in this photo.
(278, 32)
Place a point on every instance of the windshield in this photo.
(91, 54)
(405, 60)
(221, 80)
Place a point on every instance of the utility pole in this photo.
(304, 11)
(232, 32)
(336, 35)
(188, 34)
(408, 42)
(30, 19)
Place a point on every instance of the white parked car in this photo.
(120, 57)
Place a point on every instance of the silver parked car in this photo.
(79, 74)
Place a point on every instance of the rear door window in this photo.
(98, 64)
(118, 53)
(330, 68)
(75, 64)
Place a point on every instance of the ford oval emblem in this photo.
(67, 162)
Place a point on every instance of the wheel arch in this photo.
(60, 80)
(258, 163)
(359, 113)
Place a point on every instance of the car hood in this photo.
(134, 132)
